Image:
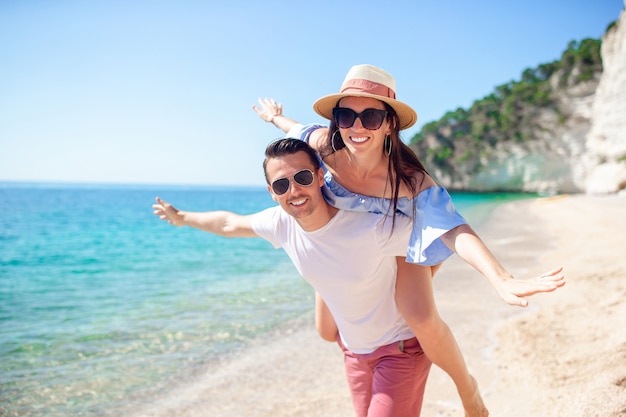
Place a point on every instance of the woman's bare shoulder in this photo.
(423, 181)
(420, 182)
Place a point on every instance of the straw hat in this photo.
(368, 81)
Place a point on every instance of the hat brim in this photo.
(406, 115)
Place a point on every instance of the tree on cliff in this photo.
(507, 115)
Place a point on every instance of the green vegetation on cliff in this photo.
(463, 136)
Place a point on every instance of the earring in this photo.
(332, 140)
(387, 144)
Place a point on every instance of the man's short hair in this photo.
(289, 146)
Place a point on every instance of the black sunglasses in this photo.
(371, 119)
(281, 185)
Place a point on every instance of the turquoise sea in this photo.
(103, 306)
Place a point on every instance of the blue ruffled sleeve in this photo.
(432, 211)
(434, 215)
(303, 132)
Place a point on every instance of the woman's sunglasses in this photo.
(371, 119)
(281, 185)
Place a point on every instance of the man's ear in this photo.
(320, 176)
(269, 190)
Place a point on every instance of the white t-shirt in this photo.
(351, 263)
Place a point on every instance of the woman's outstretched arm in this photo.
(466, 243)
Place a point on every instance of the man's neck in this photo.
(318, 219)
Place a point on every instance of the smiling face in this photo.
(357, 138)
(304, 203)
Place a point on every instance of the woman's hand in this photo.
(269, 109)
(513, 291)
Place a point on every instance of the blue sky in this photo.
(161, 91)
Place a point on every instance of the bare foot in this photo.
(473, 402)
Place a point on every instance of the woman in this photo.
(370, 168)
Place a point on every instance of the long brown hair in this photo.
(402, 163)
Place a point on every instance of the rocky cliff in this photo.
(577, 143)
(604, 159)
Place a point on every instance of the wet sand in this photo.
(564, 355)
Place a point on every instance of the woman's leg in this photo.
(416, 302)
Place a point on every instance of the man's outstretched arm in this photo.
(222, 223)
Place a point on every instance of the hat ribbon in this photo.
(366, 86)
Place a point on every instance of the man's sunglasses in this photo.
(371, 119)
(281, 185)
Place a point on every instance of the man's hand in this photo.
(166, 211)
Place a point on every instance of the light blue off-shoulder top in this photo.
(432, 210)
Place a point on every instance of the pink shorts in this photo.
(388, 382)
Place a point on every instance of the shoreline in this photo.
(568, 356)
(475, 312)
(528, 362)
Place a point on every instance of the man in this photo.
(349, 258)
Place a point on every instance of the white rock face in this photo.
(604, 160)
(548, 162)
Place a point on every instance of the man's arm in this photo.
(222, 223)
(324, 320)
